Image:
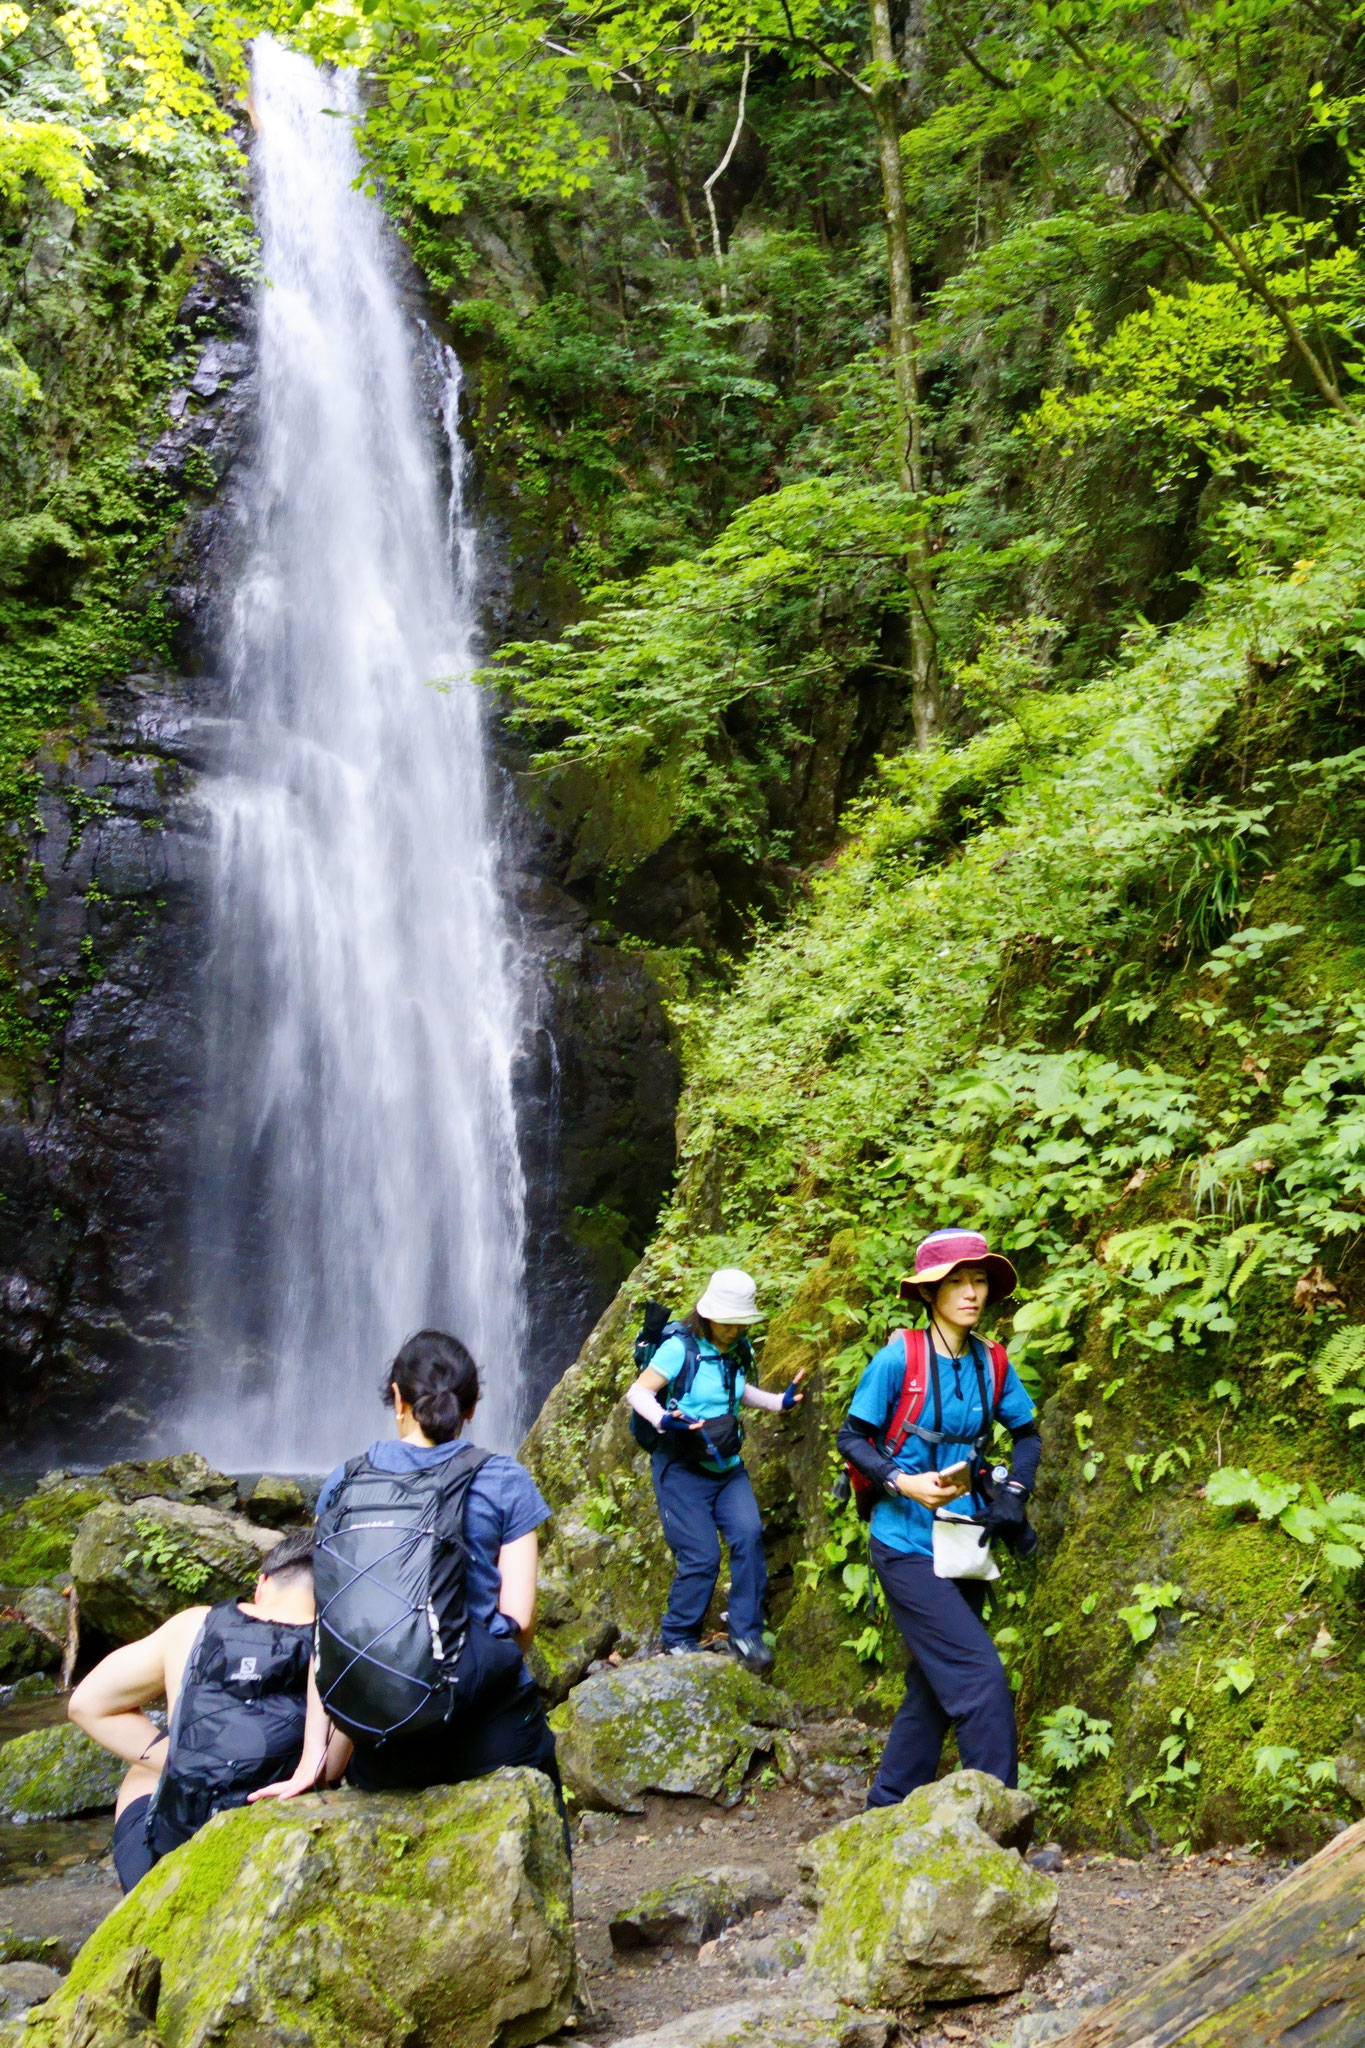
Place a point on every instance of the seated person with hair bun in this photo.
(494, 1510)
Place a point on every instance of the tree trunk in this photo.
(1288, 1972)
(926, 699)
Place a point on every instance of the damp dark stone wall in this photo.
(109, 927)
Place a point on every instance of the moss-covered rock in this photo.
(694, 1908)
(120, 2012)
(188, 1476)
(570, 1634)
(439, 1919)
(37, 1532)
(828, 1758)
(275, 1502)
(666, 1724)
(23, 1649)
(925, 1902)
(53, 1773)
(136, 1565)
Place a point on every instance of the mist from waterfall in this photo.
(360, 1174)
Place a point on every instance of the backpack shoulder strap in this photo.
(1000, 1365)
(687, 1372)
(914, 1390)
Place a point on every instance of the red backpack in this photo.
(910, 1406)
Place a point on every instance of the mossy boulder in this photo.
(53, 1773)
(438, 1919)
(929, 1901)
(276, 1503)
(23, 1648)
(37, 1532)
(118, 2013)
(134, 1565)
(829, 1759)
(694, 1908)
(188, 1476)
(570, 1635)
(686, 1725)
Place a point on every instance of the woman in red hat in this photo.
(955, 1387)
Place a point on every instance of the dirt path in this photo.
(1117, 1919)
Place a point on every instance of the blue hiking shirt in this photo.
(503, 1503)
(906, 1525)
(706, 1396)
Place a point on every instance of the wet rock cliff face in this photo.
(109, 927)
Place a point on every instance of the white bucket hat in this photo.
(729, 1298)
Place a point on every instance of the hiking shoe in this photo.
(753, 1653)
(680, 1649)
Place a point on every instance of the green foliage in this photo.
(168, 1560)
(1066, 1740)
(1149, 1602)
(1336, 1525)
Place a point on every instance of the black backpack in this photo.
(720, 1438)
(237, 1723)
(397, 1650)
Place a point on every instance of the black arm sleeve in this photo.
(857, 1442)
(1027, 1455)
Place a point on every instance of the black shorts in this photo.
(132, 1856)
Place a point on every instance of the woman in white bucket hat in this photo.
(703, 1491)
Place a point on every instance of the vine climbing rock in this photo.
(1288, 1972)
(438, 1919)
(56, 1773)
(929, 1900)
(686, 1725)
(135, 1564)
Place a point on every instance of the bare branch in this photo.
(719, 172)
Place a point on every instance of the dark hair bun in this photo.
(439, 1381)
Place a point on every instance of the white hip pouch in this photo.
(962, 1548)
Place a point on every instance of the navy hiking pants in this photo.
(955, 1677)
(698, 1508)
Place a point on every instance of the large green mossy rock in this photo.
(55, 1773)
(930, 1900)
(438, 1919)
(137, 1563)
(276, 1503)
(37, 1532)
(686, 1725)
(187, 1476)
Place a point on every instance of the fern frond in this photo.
(1341, 1358)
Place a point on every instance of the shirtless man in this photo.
(235, 1681)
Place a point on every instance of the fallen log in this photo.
(1287, 1973)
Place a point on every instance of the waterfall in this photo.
(360, 1175)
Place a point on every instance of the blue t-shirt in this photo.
(707, 1395)
(503, 1503)
(906, 1525)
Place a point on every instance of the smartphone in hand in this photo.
(959, 1475)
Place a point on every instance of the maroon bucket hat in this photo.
(936, 1257)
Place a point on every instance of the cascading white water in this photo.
(360, 1175)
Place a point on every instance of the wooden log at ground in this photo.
(1287, 1973)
